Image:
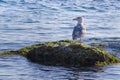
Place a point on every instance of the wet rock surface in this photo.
(70, 53)
(66, 53)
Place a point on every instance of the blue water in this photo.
(25, 22)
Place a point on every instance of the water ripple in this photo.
(24, 22)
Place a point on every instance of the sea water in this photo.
(26, 22)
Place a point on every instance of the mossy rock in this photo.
(65, 53)
(9, 52)
(69, 53)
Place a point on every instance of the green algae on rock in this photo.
(66, 53)
(69, 53)
(9, 52)
(23, 51)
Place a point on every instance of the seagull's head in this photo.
(79, 19)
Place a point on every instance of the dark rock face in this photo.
(65, 53)
(69, 53)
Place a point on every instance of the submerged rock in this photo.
(66, 53)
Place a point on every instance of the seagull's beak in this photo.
(75, 19)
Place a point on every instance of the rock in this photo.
(9, 52)
(66, 53)
(69, 53)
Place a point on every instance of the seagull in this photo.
(79, 30)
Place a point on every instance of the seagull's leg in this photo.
(80, 39)
(75, 38)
